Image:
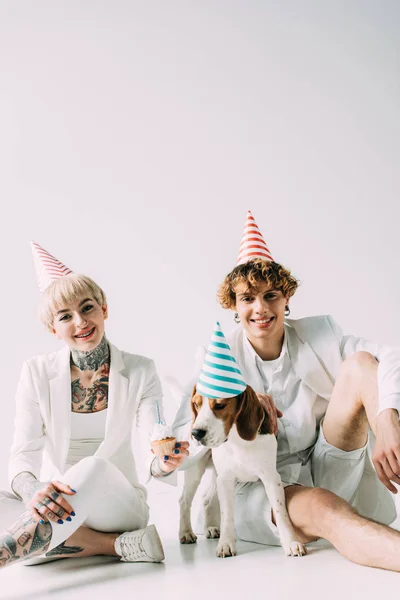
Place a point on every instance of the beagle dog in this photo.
(243, 449)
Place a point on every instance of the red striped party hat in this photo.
(252, 244)
(47, 267)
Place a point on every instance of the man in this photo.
(332, 389)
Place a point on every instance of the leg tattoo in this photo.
(23, 539)
(62, 549)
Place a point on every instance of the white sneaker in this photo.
(142, 545)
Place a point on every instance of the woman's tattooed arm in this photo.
(25, 485)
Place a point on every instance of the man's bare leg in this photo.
(318, 513)
(353, 408)
(353, 404)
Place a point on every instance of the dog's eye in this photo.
(219, 406)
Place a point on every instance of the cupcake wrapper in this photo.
(163, 448)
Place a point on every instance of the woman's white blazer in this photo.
(43, 414)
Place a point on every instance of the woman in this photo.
(75, 410)
(331, 389)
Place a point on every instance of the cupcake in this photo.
(162, 440)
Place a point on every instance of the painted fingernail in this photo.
(69, 519)
(165, 457)
(73, 491)
(177, 445)
(60, 522)
(176, 451)
(41, 521)
(72, 513)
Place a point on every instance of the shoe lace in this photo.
(131, 547)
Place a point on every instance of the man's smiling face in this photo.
(261, 311)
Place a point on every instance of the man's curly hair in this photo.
(253, 273)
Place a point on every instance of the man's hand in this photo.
(386, 453)
(273, 413)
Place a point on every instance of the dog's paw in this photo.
(226, 548)
(187, 537)
(211, 532)
(294, 549)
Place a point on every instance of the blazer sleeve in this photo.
(146, 418)
(388, 367)
(29, 436)
(183, 420)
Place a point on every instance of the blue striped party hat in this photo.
(220, 376)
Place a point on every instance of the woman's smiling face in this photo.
(81, 324)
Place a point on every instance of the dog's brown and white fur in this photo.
(243, 449)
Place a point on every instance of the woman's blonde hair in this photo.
(252, 273)
(65, 290)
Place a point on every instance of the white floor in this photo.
(194, 571)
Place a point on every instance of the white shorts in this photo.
(331, 468)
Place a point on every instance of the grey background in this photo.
(135, 136)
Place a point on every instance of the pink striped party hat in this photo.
(47, 267)
(252, 244)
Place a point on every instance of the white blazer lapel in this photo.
(118, 388)
(308, 366)
(60, 407)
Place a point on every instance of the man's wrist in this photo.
(386, 417)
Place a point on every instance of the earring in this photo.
(236, 318)
(287, 310)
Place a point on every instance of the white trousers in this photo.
(105, 501)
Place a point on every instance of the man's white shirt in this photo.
(284, 386)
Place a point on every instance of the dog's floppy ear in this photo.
(192, 406)
(250, 415)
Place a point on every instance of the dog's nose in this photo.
(198, 434)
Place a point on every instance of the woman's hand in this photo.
(169, 463)
(47, 503)
(273, 413)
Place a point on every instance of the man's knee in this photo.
(321, 501)
(310, 505)
(358, 364)
(324, 506)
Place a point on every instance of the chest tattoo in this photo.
(91, 396)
